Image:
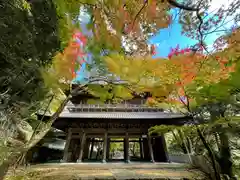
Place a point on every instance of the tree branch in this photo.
(182, 6)
(197, 10)
(139, 12)
(48, 105)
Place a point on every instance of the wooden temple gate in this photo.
(86, 125)
(80, 140)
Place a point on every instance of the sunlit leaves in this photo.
(185, 79)
(101, 92)
(68, 12)
(122, 92)
(65, 64)
(135, 20)
(26, 5)
(113, 93)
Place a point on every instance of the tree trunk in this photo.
(180, 143)
(22, 150)
(4, 167)
(190, 148)
(211, 155)
(225, 158)
(37, 137)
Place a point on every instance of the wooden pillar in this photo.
(146, 153)
(165, 148)
(150, 148)
(126, 148)
(105, 147)
(108, 148)
(141, 148)
(82, 147)
(67, 144)
(92, 146)
(86, 148)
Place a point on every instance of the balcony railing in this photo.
(112, 108)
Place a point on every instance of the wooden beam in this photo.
(111, 130)
(98, 135)
(82, 147)
(150, 148)
(67, 144)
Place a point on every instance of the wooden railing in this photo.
(113, 108)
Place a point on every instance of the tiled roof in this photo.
(137, 112)
(121, 115)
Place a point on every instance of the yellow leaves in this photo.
(151, 102)
(26, 5)
(122, 92)
(135, 70)
(170, 80)
(59, 97)
(234, 38)
(115, 18)
(145, 74)
(94, 101)
(67, 11)
(100, 92)
(113, 64)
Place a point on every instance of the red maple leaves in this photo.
(74, 51)
(153, 50)
(177, 51)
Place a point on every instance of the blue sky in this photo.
(166, 38)
(169, 38)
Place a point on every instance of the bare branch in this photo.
(182, 6)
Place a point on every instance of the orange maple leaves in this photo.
(192, 66)
(74, 51)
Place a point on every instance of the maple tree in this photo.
(186, 81)
(119, 28)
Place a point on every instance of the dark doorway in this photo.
(159, 151)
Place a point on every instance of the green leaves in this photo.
(101, 92)
(122, 92)
(68, 12)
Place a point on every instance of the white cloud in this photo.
(227, 24)
(83, 17)
(216, 4)
(224, 4)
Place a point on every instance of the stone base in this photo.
(63, 161)
(152, 161)
(79, 161)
